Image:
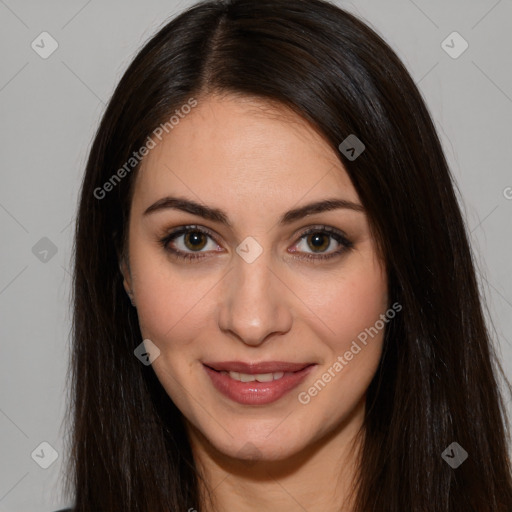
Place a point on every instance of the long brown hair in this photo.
(437, 379)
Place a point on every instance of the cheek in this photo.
(348, 302)
(352, 310)
(167, 307)
(349, 308)
(171, 299)
(172, 302)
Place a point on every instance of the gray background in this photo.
(50, 108)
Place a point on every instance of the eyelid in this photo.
(305, 231)
(317, 258)
(327, 229)
(181, 230)
(337, 234)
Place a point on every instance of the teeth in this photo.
(260, 377)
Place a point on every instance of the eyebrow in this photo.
(217, 215)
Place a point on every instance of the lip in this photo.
(258, 393)
(254, 368)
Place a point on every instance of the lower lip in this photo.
(256, 393)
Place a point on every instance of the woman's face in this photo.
(257, 290)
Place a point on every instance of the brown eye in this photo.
(318, 241)
(195, 240)
(187, 243)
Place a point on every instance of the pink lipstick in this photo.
(256, 383)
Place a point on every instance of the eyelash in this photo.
(190, 257)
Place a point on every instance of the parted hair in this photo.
(437, 380)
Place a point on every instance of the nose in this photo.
(254, 303)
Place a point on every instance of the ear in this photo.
(124, 267)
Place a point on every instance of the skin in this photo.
(255, 161)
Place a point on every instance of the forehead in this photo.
(242, 151)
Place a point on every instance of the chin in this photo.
(257, 444)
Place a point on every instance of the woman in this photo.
(275, 305)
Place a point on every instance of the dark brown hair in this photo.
(437, 379)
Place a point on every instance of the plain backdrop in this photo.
(50, 108)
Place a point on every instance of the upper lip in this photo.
(255, 368)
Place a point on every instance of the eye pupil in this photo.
(318, 240)
(195, 237)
